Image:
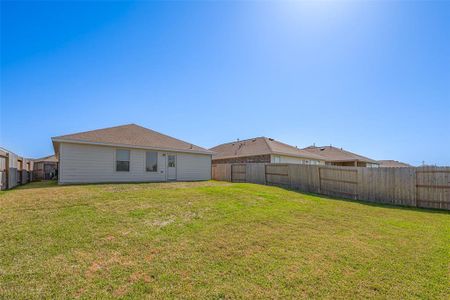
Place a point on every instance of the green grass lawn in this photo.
(215, 240)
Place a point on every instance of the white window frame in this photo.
(157, 158)
(115, 159)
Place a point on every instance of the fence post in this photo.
(358, 181)
(320, 180)
(231, 172)
(416, 196)
(265, 174)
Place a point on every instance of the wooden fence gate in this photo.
(433, 187)
(277, 174)
(238, 173)
(339, 182)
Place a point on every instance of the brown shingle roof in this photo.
(334, 154)
(259, 146)
(131, 135)
(388, 163)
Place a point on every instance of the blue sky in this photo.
(373, 78)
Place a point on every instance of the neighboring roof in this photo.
(388, 163)
(334, 154)
(259, 146)
(4, 152)
(51, 158)
(130, 135)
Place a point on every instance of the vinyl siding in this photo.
(88, 163)
(193, 167)
(13, 175)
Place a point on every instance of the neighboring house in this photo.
(262, 150)
(45, 168)
(339, 157)
(128, 153)
(3, 169)
(14, 169)
(393, 164)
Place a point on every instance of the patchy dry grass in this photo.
(214, 240)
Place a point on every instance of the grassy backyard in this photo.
(215, 240)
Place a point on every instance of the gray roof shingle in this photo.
(334, 154)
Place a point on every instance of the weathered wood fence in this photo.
(426, 187)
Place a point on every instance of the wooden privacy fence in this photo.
(427, 187)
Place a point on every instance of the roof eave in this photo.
(299, 156)
(57, 140)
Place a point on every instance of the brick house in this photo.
(262, 150)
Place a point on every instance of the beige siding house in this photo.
(263, 150)
(14, 169)
(129, 153)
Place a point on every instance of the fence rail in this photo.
(426, 187)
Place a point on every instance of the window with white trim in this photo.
(122, 160)
(151, 161)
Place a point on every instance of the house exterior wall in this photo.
(15, 170)
(294, 160)
(81, 163)
(13, 176)
(193, 167)
(246, 159)
(3, 163)
(352, 164)
(3, 178)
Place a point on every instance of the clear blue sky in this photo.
(371, 77)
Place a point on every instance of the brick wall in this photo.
(247, 159)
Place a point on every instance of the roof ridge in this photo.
(268, 144)
(168, 136)
(358, 156)
(342, 149)
(88, 131)
(284, 144)
(238, 141)
(295, 148)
